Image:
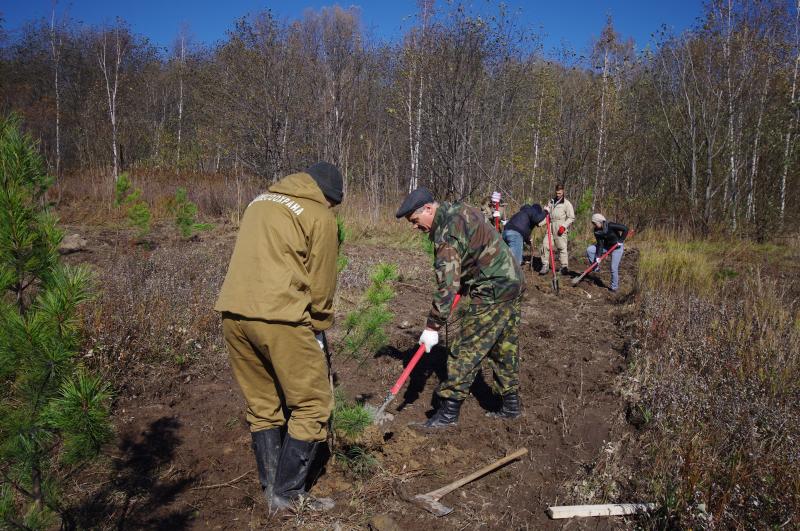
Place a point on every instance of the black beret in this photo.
(329, 180)
(417, 198)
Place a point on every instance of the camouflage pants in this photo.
(486, 331)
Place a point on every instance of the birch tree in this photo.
(794, 109)
(109, 58)
(415, 52)
(56, 45)
(180, 53)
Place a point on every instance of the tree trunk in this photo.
(112, 85)
(536, 139)
(601, 131)
(751, 204)
(787, 151)
(180, 99)
(55, 46)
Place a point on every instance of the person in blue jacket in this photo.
(518, 229)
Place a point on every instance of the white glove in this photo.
(495, 197)
(496, 214)
(503, 222)
(429, 338)
(320, 337)
(547, 209)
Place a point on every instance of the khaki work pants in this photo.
(277, 366)
(560, 252)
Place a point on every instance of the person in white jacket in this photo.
(562, 215)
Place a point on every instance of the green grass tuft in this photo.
(677, 266)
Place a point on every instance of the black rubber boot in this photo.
(446, 415)
(511, 407)
(290, 481)
(267, 448)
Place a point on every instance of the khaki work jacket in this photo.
(283, 267)
(561, 214)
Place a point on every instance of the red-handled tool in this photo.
(379, 413)
(552, 256)
(591, 268)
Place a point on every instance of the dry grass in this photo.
(88, 198)
(701, 266)
(716, 369)
(155, 307)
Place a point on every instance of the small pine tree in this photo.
(583, 212)
(428, 247)
(138, 214)
(349, 419)
(350, 422)
(52, 411)
(185, 213)
(366, 325)
(137, 210)
(121, 188)
(341, 233)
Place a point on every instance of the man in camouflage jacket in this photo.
(470, 258)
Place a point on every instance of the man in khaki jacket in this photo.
(562, 215)
(276, 302)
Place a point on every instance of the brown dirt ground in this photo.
(183, 459)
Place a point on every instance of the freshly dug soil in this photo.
(183, 457)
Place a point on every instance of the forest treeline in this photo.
(698, 131)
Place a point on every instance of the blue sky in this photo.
(573, 22)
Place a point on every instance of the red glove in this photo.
(561, 230)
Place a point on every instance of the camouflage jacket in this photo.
(470, 257)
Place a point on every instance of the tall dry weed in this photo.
(717, 375)
(156, 308)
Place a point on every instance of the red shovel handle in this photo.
(550, 241)
(594, 264)
(414, 360)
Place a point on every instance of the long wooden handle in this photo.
(608, 509)
(440, 492)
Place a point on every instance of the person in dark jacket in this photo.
(518, 229)
(607, 234)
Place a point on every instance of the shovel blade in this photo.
(431, 504)
(379, 414)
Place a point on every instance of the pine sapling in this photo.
(341, 233)
(350, 422)
(583, 211)
(137, 211)
(366, 326)
(185, 214)
(53, 412)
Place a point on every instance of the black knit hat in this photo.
(417, 198)
(329, 180)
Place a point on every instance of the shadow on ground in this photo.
(144, 483)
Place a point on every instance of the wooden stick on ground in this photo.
(218, 485)
(609, 509)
